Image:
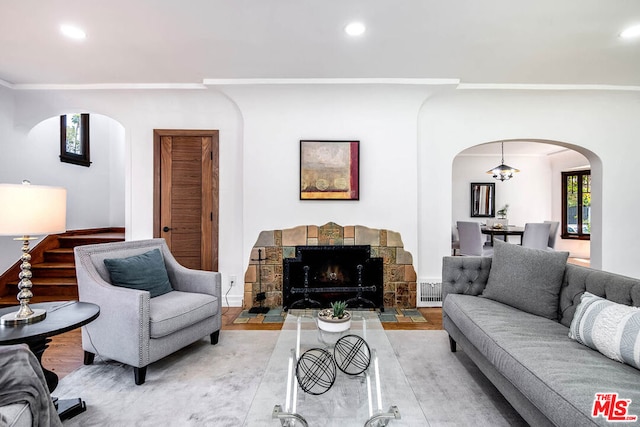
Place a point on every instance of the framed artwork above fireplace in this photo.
(329, 170)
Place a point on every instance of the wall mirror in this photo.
(483, 199)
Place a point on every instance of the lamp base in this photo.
(12, 319)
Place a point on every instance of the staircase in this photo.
(53, 266)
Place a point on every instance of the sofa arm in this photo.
(464, 275)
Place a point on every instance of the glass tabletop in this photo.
(318, 378)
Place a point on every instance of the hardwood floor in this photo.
(65, 354)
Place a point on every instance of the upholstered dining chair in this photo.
(536, 235)
(150, 305)
(471, 242)
(553, 233)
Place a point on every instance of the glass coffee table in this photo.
(359, 384)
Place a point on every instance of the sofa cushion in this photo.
(612, 329)
(558, 375)
(527, 279)
(145, 272)
(177, 310)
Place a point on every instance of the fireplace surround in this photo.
(398, 273)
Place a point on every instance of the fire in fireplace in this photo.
(320, 275)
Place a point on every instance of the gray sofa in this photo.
(547, 377)
(133, 327)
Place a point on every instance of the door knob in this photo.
(165, 229)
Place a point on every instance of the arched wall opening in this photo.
(95, 194)
(534, 194)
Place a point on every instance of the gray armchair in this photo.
(134, 328)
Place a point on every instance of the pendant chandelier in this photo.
(503, 172)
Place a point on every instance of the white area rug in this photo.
(205, 385)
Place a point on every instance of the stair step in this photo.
(63, 255)
(89, 239)
(55, 278)
(53, 269)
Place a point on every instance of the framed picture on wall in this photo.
(483, 199)
(329, 170)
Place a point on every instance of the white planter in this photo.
(329, 324)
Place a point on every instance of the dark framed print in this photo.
(329, 170)
(483, 199)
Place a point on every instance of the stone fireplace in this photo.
(274, 246)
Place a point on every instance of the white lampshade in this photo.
(31, 210)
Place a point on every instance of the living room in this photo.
(412, 124)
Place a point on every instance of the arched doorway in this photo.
(534, 194)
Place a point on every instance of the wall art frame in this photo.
(483, 199)
(329, 170)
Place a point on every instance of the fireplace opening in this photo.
(320, 275)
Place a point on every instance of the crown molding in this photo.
(111, 86)
(519, 86)
(206, 83)
(334, 81)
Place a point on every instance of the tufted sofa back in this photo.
(469, 275)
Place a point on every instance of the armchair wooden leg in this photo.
(214, 337)
(140, 374)
(452, 344)
(88, 357)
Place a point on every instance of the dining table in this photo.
(506, 231)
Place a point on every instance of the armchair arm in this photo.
(189, 280)
(123, 325)
(204, 282)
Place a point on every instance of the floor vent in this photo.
(430, 293)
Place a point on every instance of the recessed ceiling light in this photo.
(631, 32)
(72, 32)
(355, 29)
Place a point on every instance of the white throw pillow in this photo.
(611, 328)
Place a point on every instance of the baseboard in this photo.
(232, 301)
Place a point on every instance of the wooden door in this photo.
(186, 195)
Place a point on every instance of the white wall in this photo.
(527, 194)
(409, 141)
(601, 125)
(139, 112)
(383, 119)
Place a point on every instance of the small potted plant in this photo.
(502, 213)
(336, 318)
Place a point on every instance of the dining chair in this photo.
(471, 243)
(536, 235)
(553, 233)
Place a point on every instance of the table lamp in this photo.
(27, 210)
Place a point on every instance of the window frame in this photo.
(564, 234)
(83, 159)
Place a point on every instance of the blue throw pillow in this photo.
(145, 272)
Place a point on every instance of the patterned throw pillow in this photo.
(612, 329)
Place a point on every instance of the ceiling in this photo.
(184, 42)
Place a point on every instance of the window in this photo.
(576, 205)
(74, 139)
